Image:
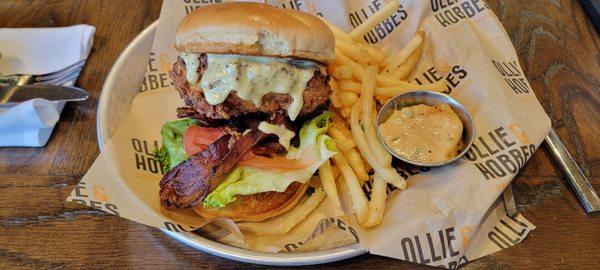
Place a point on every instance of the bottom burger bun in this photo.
(257, 207)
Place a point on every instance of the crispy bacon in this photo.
(189, 182)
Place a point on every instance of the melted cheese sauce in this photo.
(192, 63)
(423, 133)
(284, 135)
(252, 77)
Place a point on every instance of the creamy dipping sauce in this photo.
(423, 133)
(252, 77)
(283, 134)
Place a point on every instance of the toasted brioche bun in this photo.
(257, 207)
(255, 29)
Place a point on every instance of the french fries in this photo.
(377, 203)
(347, 145)
(328, 182)
(377, 55)
(342, 59)
(382, 156)
(392, 91)
(359, 200)
(335, 97)
(336, 171)
(356, 52)
(345, 72)
(406, 68)
(362, 74)
(348, 98)
(397, 59)
(387, 172)
(344, 142)
(350, 86)
(357, 165)
(388, 85)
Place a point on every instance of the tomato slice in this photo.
(277, 163)
(196, 138)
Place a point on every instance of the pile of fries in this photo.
(362, 77)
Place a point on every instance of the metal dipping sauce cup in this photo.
(429, 98)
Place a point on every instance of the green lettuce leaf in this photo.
(162, 156)
(246, 180)
(172, 152)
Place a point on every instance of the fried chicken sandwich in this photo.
(253, 129)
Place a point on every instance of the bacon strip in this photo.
(189, 182)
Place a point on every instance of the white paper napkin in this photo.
(29, 123)
(43, 50)
(38, 51)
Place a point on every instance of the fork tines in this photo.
(62, 76)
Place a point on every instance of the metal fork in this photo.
(60, 77)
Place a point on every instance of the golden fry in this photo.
(357, 165)
(345, 111)
(328, 182)
(334, 97)
(366, 164)
(342, 59)
(385, 12)
(350, 86)
(383, 157)
(336, 171)
(409, 65)
(348, 98)
(341, 124)
(377, 55)
(343, 142)
(377, 203)
(356, 193)
(357, 53)
(391, 91)
(345, 72)
(397, 59)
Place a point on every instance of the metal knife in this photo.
(19, 93)
(584, 190)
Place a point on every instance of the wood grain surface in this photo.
(559, 51)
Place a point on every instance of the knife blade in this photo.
(19, 93)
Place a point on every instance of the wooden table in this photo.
(560, 53)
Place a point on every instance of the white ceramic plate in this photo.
(122, 84)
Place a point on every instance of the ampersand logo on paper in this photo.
(156, 73)
(98, 200)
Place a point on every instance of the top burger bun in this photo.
(255, 29)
